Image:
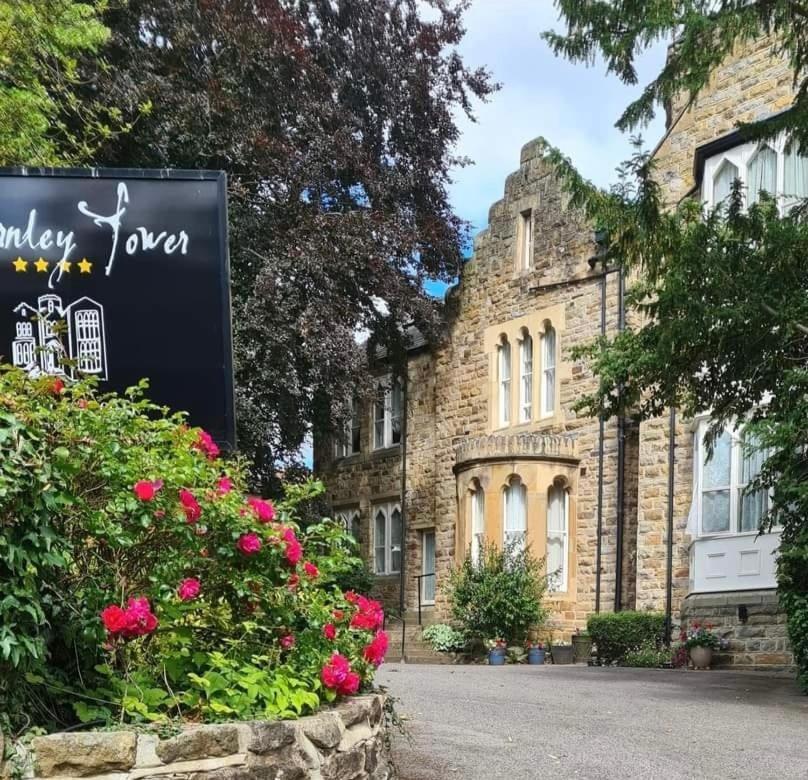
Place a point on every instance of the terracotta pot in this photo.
(701, 657)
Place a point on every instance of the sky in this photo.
(573, 106)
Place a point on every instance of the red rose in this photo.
(293, 551)
(225, 485)
(189, 589)
(146, 490)
(264, 510)
(311, 570)
(350, 685)
(191, 507)
(114, 619)
(139, 618)
(204, 443)
(249, 544)
(330, 631)
(375, 651)
(57, 386)
(293, 581)
(287, 642)
(334, 672)
(370, 615)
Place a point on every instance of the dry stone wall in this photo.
(344, 743)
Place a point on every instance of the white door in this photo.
(428, 567)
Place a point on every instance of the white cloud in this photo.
(573, 106)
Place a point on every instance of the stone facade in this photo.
(460, 440)
(347, 742)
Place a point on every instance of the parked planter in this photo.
(496, 656)
(562, 654)
(582, 645)
(536, 655)
(701, 657)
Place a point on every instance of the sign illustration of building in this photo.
(44, 353)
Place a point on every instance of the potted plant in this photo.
(535, 653)
(496, 652)
(582, 645)
(700, 642)
(562, 653)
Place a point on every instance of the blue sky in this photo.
(572, 106)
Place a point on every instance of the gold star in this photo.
(85, 266)
(20, 265)
(41, 265)
(64, 265)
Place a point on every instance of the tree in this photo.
(335, 122)
(42, 119)
(722, 297)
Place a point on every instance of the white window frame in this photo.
(526, 240)
(525, 378)
(387, 548)
(548, 372)
(560, 584)
(508, 496)
(384, 392)
(740, 156)
(735, 486)
(350, 519)
(427, 598)
(477, 522)
(504, 374)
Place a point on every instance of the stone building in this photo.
(482, 441)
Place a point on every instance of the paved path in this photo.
(484, 723)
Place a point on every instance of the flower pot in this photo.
(701, 657)
(496, 656)
(535, 655)
(562, 654)
(582, 646)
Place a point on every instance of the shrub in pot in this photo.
(700, 642)
(497, 648)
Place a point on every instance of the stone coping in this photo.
(346, 742)
(506, 446)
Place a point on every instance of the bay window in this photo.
(504, 373)
(515, 513)
(477, 522)
(548, 372)
(525, 378)
(557, 538)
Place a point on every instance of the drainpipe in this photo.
(669, 570)
(402, 576)
(601, 427)
(621, 463)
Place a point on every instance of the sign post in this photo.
(121, 275)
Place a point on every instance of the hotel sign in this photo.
(121, 275)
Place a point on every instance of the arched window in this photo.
(761, 174)
(387, 538)
(504, 371)
(557, 538)
(380, 540)
(795, 184)
(379, 408)
(515, 511)
(477, 521)
(548, 369)
(525, 378)
(387, 413)
(722, 182)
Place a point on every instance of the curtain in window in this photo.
(722, 182)
(504, 383)
(380, 541)
(716, 487)
(795, 184)
(395, 540)
(753, 506)
(477, 523)
(526, 383)
(762, 174)
(515, 514)
(557, 539)
(378, 417)
(548, 371)
(396, 402)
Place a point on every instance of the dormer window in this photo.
(723, 180)
(387, 411)
(795, 174)
(526, 240)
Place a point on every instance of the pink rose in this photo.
(375, 651)
(350, 685)
(334, 672)
(249, 544)
(189, 589)
(225, 485)
(146, 490)
(264, 510)
(205, 444)
(311, 570)
(191, 507)
(330, 631)
(287, 642)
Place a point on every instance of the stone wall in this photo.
(758, 640)
(343, 743)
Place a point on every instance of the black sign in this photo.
(133, 267)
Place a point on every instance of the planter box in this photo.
(562, 654)
(582, 645)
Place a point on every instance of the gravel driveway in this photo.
(480, 722)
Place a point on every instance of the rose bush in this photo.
(138, 581)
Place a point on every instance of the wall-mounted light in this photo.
(743, 613)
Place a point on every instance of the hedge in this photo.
(616, 634)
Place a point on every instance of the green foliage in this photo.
(444, 639)
(77, 538)
(500, 595)
(43, 119)
(617, 634)
(649, 656)
(701, 636)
